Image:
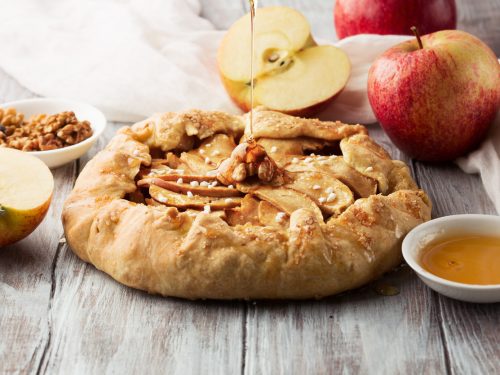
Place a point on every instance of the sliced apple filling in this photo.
(263, 181)
(362, 186)
(249, 187)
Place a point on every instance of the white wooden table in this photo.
(60, 315)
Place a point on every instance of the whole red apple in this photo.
(393, 16)
(436, 97)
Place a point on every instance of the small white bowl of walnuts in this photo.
(57, 131)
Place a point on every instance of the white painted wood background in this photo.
(60, 315)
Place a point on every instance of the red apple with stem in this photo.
(436, 96)
(393, 16)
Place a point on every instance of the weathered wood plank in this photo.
(359, 332)
(453, 191)
(11, 90)
(471, 336)
(481, 18)
(318, 12)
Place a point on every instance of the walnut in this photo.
(246, 160)
(266, 170)
(41, 132)
(10, 117)
(75, 133)
(3, 137)
(55, 122)
(18, 142)
(29, 144)
(239, 173)
(49, 142)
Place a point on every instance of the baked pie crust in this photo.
(182, 205)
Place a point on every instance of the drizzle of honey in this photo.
(464, 259)
(385, 289)
(253, 7)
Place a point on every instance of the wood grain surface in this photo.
(60, 315)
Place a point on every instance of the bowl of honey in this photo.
(458, 256)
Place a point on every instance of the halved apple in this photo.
(26, 186)
(291, 73)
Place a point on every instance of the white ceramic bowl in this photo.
(420, 236)
(83, 111)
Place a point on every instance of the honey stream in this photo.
(253, 7)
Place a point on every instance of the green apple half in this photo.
(26, 186)
(291, 73)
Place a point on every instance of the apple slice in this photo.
(291, 73)
(26, 186)
(171, 198)
(331, 195)
(246, 213)
(216, 148)
(270, 215)
(287, 200)
(205, 190)
(292, 146)
(363, 186)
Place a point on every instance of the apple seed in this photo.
(273, 57)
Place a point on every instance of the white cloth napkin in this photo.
(486, 161)
(133, 58)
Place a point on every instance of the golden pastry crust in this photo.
(321, 248)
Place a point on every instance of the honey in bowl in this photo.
(472, 259)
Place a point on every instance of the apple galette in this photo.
(190, 205)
